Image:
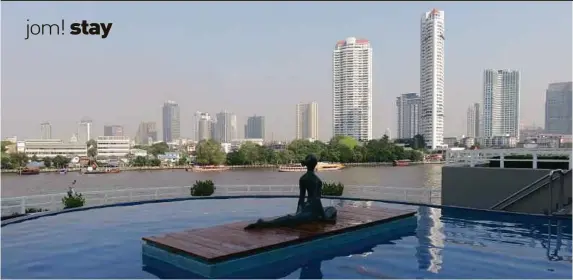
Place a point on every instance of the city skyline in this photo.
(167, 67)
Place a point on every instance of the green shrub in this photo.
(203, 188)
(35, 210)
(73, 200)
(332, 189)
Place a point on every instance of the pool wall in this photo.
(121, 204)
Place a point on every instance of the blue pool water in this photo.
(447, 243)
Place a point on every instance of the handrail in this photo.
(516, 196)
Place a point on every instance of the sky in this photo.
(262, 58)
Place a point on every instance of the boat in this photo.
(29, 171)
(327, 166)
(209, 168)
(321, 166)
(292, 168)
(105, 170)
(402, 162)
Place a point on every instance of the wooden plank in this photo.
(228, 241)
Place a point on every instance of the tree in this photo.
(418, 142)
(34, 158)
(18, 160)
(139, 161)
(210, 152)
(4, 144)
(158, 148)
(183, 160)
(92, 148)
(6, 162)
(60, 161)
(47, 162)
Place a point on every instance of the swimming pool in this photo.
(447, 243)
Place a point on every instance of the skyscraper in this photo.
(112, 130)
(255, 127)
(146, 133)
(501, 90)
(46, 130)
(473, 121)
(432, 78)
(408, 111)
(204, 126)
(171, 121)
(226, 127)
(558, 108)
(307, 121)
(85, 130)
(352, 89)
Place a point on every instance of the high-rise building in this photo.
(558, 108)
(112, 130)
(432, 78)
(204, 126)
(473, 121)
(146, 133)
(408, 107)
(226, 127)
(307, 121)
(501, 90)
(171, 122)
(352, 89)
(255, 127)
(85, 130)
(46, 130)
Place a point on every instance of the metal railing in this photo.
(19, 205)
(538, 184)
(473, 158)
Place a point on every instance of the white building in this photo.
(432, 77)
(204, 126)
(352, 89)
(408, 115)
(46, 130)
(117, 146)
(236, 143)
(307, 121)
(51, 148)
(473, 121)
(501, 90)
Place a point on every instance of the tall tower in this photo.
(204, 126)
(352, 89)
(46, 130)
(473, 121)
(558, 101)
(501, 90)
(408, 115)
(255, 127)
(85, 130)
(432, 77)
(171, 121)
(307, 121)
(226, 127)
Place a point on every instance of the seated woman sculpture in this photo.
(310, 210)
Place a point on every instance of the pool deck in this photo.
(209, 247)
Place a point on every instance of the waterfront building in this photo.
(473, 121)
(501, 97)
(171, 121)
(352, 89)
(113, 146)
(558, 103)
(113, 130)
(46, 130)
(51, 148)
(255, 127)
(432, 42)
(408, 108)
(307, 121)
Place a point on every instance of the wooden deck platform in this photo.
(208, 247)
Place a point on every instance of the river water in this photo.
(423, 176)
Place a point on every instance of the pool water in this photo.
(446, 243)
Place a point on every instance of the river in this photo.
(424, 176)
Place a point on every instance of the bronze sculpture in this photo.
(307, 211)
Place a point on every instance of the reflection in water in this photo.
(431, 237)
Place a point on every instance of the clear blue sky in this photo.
(262, 58)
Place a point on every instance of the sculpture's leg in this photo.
(288, 220)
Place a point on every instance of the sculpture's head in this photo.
(310, 162)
